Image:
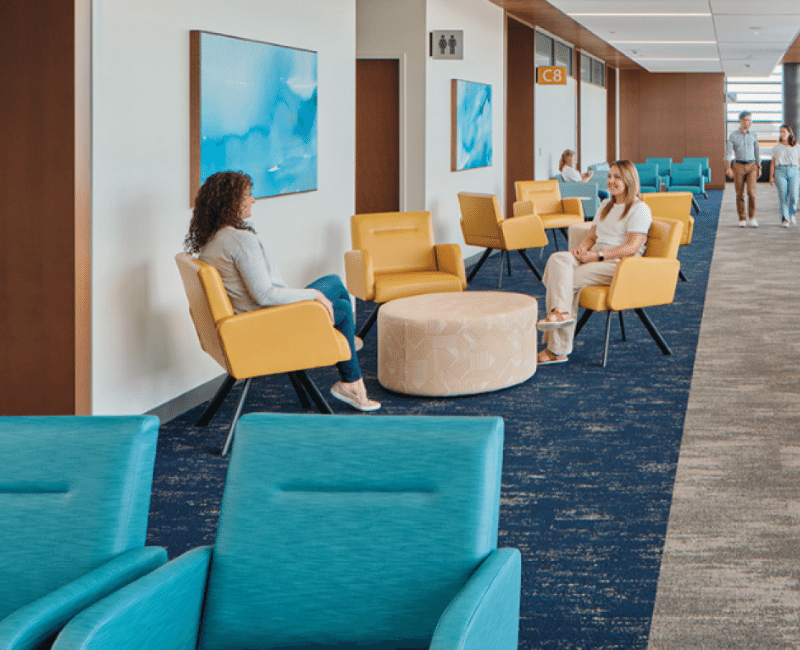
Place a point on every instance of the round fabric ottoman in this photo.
(457, 343)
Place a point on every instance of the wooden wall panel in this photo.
(520, 77)
(673, 115)
(611, 114)
(37, 208)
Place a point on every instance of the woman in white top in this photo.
(619, 230)
(567, 168)
(784, 173)
(219, 235)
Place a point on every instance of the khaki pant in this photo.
(746, 174)
(564, 277)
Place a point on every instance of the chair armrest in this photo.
(485, 613)
(521, 208)
(280, 339)
(360, 274)
(450, 260)
(572, 206)
(526, 231)
(643, 282)
(161, 610)
(688, 230)
(39, 620)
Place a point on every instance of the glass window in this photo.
(763, 97)
(544, 50)
(586, 68)
(563, 56)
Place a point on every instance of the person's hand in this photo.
(729, 172)
(589, 174)
(325, 303)
(583, 255)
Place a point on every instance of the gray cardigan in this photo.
(250, 280)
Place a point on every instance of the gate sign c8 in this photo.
(553, 75)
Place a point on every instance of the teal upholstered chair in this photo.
(704, 168)
(664, 169)
(345, 532)
(74, 497)
(586, 192)
(649, 179)
(688, 177)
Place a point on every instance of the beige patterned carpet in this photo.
(731, 565)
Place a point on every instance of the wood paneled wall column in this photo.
(42, 169)
(672, 115)
(611, 114)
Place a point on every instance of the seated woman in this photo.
(220, 236)
(619, 230)
(567, 168)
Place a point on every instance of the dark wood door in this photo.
(377, 135)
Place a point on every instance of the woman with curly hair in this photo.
(219, 235)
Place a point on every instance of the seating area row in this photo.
(347, 532)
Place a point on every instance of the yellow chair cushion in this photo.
(391, 286)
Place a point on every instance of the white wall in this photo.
(593, 124)
(555, 110)
(144, 348)
(483, 24)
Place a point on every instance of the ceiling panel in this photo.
(754, 8)
(741, 68)
(745, 51)
(638, 51)
(650, 28)
(757, 29)
(684, 66)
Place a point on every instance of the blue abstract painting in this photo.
(473, 130)
(258, 113)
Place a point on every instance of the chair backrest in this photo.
(350, 530)
(208, 302)
(396, 241)
(672, 205)
(648, 174)
(664, 165)
(664, 238)
(74, 493)
(480, 216)
(703, 162)
(545, 196)
(686, 174)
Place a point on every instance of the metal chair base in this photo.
(649, 326)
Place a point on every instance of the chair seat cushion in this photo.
(560, 220)
(391, 286)
(686, 188)
(594, 298)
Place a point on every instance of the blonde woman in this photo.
(567, 168)
(619, 230)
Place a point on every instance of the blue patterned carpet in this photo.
(589, 465)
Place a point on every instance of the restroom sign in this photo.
(447, 44)
(553, 75)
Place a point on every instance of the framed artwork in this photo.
(471, 125)
(253, 109)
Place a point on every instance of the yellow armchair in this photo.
(544, 199)
(482, 224)
(639, 282)
(674, 205)
(287, 338)
(394, 257)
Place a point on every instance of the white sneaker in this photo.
(752, 223)
(794, 221)
(785, 224)
(742, 224)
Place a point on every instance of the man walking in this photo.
(744, 167)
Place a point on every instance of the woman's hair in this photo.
(630, 177)
(565, 158)
(790, 140)
(218, 204)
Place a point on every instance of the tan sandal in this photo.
(359, 403)
(547, 358)
(555, 320)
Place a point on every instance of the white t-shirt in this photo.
(570, 174)
(785, 155)
(613, 231)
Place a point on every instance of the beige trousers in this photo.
(564, 277)
(746, 175)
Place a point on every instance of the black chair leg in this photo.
(587, 313)
(662, 344)
(216, 402)
(313, 391)
(298, 388)
(525, 257)
(555, 240)
(367, 326)
(608, 332)
(239, 405)
(500, 269)
(622, 325)
(508, 262)
(682, 276)
(477, 266)
(696, 206)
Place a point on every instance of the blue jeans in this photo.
(787, 178)
(332, 288)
